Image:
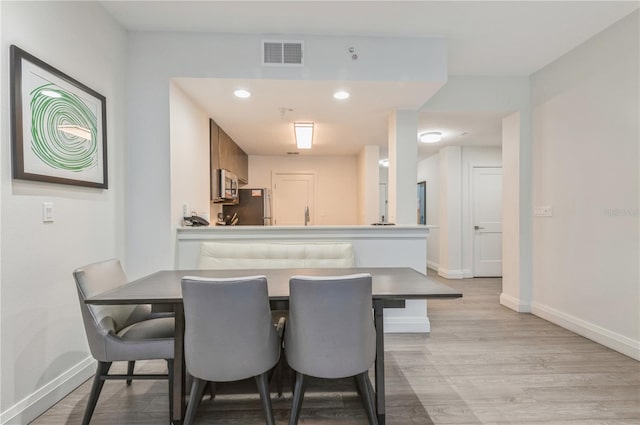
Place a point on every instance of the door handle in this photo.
(477, 227)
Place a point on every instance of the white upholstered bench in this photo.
(221, 255)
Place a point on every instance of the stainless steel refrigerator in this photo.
(253, 208)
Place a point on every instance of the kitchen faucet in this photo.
(306, 215)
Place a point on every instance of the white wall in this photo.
(44, 348)
(155, 58)
(189, 141)
(586, 132)
(429, 171)
(336, 182)
(489, 94)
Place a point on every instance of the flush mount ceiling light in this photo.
(384, 163)
(341, 95)
(304, 134)
(242, 94)
(431, 137)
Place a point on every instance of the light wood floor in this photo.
(481, 364)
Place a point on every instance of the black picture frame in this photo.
(58, 125)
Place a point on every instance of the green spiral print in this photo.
(56, 148)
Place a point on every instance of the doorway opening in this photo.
(422, 202)
(383, 207)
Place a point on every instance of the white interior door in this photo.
(292, 193)
(487, 221)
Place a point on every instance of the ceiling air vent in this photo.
(282, 53)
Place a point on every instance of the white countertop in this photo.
(315, 232)
(314, 227)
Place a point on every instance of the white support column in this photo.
(450, 264)
(403, 162)
(525, 199)
(368, 186)
(516, 212)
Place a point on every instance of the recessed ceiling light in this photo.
(384, 162)
(243, 94)
(341, 95)
(431, 137)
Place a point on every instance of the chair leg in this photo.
(298, 396)
(366, 394)
(355, 378)
(98, 383)
(262, 381)
(197, 389)
(130, 367)
(279, 374)
(170, 379)
(211, 386)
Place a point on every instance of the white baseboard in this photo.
(432, 265)
(36, 403)
(466, 274)
(407, 325)
(613, 340)
(514, 303)
(451, 274)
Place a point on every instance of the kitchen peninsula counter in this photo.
(301, 232)
(373, 246)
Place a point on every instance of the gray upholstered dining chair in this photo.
(330, 334)
(120, 332)
(229, 335)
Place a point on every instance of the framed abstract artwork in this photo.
(58, 125)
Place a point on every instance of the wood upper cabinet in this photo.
(242, 165)
(228, 154)
(226, 151)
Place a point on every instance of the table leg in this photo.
(378, 313)
(178, 367)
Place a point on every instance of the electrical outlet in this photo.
(543, 211)
(185, 210)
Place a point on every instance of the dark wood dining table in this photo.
(392, 286)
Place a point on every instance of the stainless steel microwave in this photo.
(224, 187)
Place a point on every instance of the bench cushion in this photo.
(220, 255)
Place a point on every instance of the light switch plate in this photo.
(47, 212)
(543, 211)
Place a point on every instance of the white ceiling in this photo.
(500, 38)
(262, 124)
